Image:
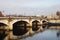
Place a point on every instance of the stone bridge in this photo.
(21, 25)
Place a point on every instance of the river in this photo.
(47, 34)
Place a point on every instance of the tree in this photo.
(1, 15)
(58, 13)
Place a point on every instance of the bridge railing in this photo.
(20, 17)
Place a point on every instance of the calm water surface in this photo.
(45, 35)
(48, 34)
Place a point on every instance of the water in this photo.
(45, 35)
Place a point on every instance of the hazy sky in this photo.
(29, 7)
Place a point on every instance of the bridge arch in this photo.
(3, 25)
(14, 21)
(44, 23)
(20, 28)
(35, 25)
(44, 20)
(4, 22)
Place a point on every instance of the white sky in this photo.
(29, 7)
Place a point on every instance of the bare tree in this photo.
(58, 13)
(1, 15)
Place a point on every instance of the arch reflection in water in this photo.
(35, 25)
(20, 28)
(2, 31)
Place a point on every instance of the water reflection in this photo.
(2, 34)
(47, 34)
(3, 30)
